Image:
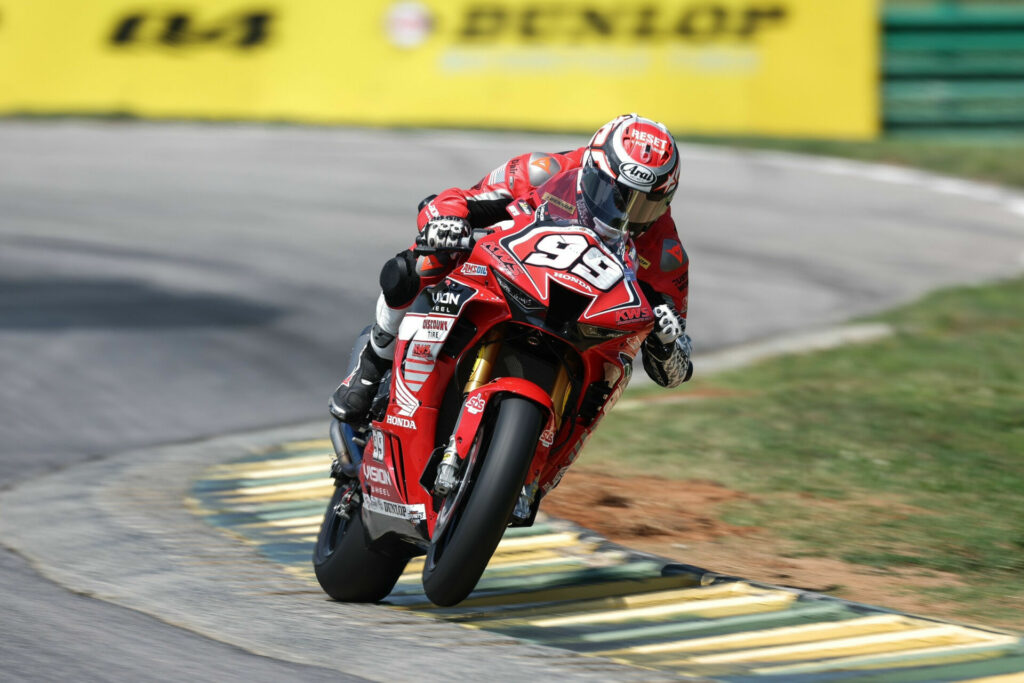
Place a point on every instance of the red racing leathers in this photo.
(663, 274)
(664, 265)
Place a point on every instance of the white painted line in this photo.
(1009, 199)
(666, 400)
(753, 352)
(965, 188)
(894, 175)
(819, 340)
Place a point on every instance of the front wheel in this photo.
(459, 556)
(347, 569)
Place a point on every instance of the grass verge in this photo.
(907, 452)
(996, 160)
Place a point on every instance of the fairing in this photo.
(509, 281)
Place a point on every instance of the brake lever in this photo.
(432, 251)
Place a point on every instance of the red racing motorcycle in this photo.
(501, 373)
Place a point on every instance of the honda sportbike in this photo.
(501, 373)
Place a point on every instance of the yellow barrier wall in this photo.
(773, 67)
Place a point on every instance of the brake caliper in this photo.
(447, 471)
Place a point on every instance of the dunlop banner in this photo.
(767, 67)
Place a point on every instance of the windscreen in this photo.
(561, 195)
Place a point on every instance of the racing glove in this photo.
(667, 350)
(447, 232)
(670, 325)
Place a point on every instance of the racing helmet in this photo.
(629, 173)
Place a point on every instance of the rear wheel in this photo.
(347, 569)
(459, 556)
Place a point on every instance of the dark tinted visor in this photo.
(604, 198)
(616, 205)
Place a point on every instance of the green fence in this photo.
(953, 65)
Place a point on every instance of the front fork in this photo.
(448, 469)
(525, 509)
(483, 366)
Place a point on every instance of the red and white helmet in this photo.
(630, 172)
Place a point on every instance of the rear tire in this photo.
(347, 569)
(456, 560)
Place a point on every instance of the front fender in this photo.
(475, 407)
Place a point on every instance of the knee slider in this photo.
(399, 281)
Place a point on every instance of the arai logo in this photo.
(641, 175)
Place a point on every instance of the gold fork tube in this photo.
(560, 394)
(481, 373)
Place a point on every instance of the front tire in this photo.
(347, 569)
(457, 559)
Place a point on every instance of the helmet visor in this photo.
(604, 198)
(644, 209)
(618, 206)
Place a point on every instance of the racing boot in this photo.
(351, 401)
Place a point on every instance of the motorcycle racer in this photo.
(625, 179)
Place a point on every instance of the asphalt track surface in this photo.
(164, 283)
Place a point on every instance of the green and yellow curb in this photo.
(560, 585)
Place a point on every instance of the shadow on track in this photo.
(60, 303)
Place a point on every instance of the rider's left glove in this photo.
(670, 325)
(667, 350)
(446, 232)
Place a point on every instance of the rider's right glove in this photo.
(446, 232)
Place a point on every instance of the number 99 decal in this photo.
(575, 254)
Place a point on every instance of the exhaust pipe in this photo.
(348, 455)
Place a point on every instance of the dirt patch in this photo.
(643, 507)
(761, 558)
(677, 519)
